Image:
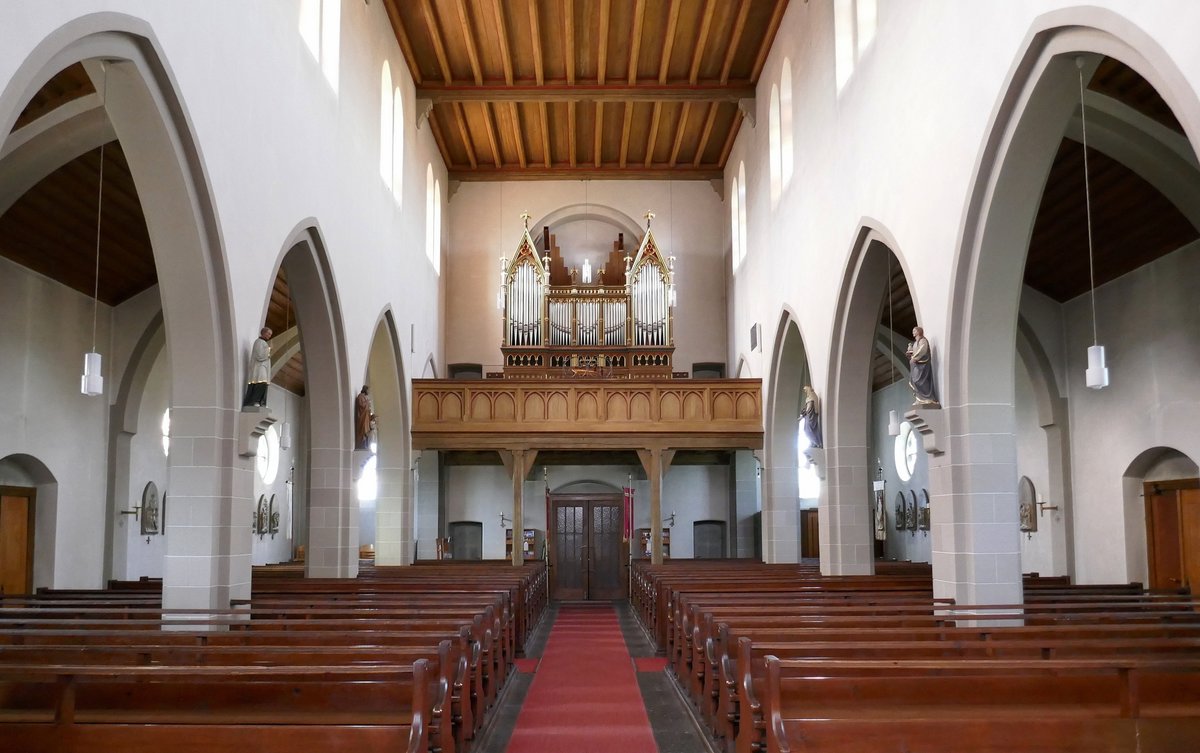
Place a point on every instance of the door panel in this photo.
(16, 544)
(1163, 524)
(568, 556)
(604, 553)
(1189, 515)
(810, 540)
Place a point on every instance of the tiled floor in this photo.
(671, 719)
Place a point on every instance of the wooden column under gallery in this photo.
(518, 463)
(656, 461)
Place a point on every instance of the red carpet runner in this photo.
(584, 697)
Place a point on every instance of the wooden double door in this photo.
(586, 550)
(1173, 533)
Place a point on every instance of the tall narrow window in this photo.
(735, 232)
(786, 133)
(773, 137)
(437, 226)
(386, 125)
(321, 29)
(742, 209)
(397, 147)
(854, 23)
(432, 215)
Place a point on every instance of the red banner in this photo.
(627, 530)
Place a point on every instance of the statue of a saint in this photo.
(260, 370)
(364, 420)
(1027, 520)
(149, 519)
(811, 415)
(880, 518)
(920, 370)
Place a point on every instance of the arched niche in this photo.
(22, 470)
(1156, 464)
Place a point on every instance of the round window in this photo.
(268, 455)
(906, 451)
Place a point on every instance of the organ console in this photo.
(554, 325)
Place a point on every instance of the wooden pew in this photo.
(85, 708)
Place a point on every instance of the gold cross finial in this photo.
(649, 216)
(527, 217)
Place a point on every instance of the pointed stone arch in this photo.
(149, 117)
(1032, 113)
(395, 529)
(332, 544)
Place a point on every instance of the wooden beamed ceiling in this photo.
(535, 89)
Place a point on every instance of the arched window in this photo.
(786, 132)
(742, 209)
(433, 215)
(807, 481)
(397, 147)
(773, 137)
(437, 226)
(386, 125)
(735, 232)
(166, 431)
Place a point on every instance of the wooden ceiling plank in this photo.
(599, 132)
(493, 141)
(435, 34)
(515, 112)
(652, 138)
(569, 47)
(625, 129)
(705, 135)
(406, 47)
(561, 92)
(539, 72)
(679, 131)
(547, 157)
(668, 41)
(464, 18)
(701, 41)
(635, 46)
(602, 40)
(764, 46)
(461, 117)
(502, 32)
(739, 26)
(572, 147)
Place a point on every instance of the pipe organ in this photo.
(619, 326)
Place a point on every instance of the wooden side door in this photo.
(16, 539)
(586, 552)
(810, 539)
(1173, 533)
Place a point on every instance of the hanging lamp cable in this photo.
(1087, 193)
(99, 209)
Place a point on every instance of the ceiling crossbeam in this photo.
(469, 36)
(561, 92)
(739, 26)
(435, 35)
(502, 33)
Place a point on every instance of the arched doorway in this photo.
(28, 513)
(390, 514)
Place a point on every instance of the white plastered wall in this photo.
(897, 149)
(277, 146)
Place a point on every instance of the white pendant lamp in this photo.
(1097, 372)
(92, 381)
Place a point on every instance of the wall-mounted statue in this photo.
(260, 370)
(149, 517)
(364, 419)
(811, 415)
(920, 370)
